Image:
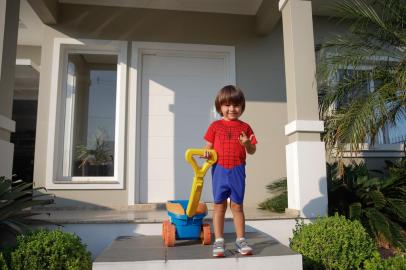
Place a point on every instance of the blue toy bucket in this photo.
(186, 227)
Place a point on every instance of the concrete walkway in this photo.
(148, 252)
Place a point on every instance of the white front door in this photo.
(177, 100)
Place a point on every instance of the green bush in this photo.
(43, 249)
(397, 262)
(3, 264)
(379, 203)
(332, 243)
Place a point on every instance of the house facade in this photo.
(125, 87)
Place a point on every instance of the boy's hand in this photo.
(206, 154)
(244, 140)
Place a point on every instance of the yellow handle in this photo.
(200, 172)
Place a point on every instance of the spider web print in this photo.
(227, 144)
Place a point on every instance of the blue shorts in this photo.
(228, 183)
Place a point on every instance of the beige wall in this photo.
(30, 52)
(259, 72)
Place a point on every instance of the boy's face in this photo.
(231, 111)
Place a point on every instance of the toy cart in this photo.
(186, 216)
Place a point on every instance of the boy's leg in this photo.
(239, 223)
(218, 218)
(239, 219)
(218, 222)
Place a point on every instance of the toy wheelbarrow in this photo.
(186, 216)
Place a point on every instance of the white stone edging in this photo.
(7, 124)
(304, 126)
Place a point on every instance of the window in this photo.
(89, 114)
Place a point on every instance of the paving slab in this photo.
(134, 248)
(151, 248)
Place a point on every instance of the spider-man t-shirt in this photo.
(224, 135)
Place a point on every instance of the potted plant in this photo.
(94, 160)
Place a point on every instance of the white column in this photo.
(305, 153)
(6, 148)
(9, 12)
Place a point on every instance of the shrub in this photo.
(279, 201)
(332, 242)
(3, 264)
(379, 203)
(43, 249)
(397, 262)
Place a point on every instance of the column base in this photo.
(306, 174)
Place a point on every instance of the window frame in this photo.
(55, 178)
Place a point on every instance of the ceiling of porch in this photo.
(34, 13)
(243, 7)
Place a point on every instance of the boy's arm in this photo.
(251, 148)
(209, 145)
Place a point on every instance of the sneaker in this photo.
(243, 247)
(218, 248)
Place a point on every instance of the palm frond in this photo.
(376, 38)
(15, 198)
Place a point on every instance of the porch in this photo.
(254, 45)
(129, 237)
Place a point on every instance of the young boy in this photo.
(232, 139)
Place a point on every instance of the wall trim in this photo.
(376, 151)
(282, 4)
(54, 155)
(23, 62)
(7, 124)
(304, 126)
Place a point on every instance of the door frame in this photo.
(133, 153)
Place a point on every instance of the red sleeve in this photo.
(249, 133)
(209, 136)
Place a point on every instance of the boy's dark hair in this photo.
(230, 94)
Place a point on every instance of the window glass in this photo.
(90, 115)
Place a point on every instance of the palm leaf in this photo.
(376, 37)
(378, 224)
(15, 197)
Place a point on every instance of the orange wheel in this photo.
(164, 226)
(205, 235)
(170, 235)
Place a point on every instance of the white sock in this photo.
(240, 239)
(219, 240)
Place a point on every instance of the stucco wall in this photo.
(30, 52)
(259, 72)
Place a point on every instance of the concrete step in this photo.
(148, 252)
(140, 213)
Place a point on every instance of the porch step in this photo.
(148, 252)
(141, 213)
